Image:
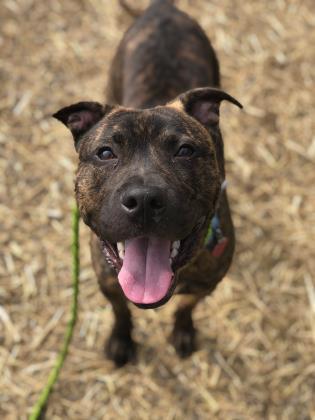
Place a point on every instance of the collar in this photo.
(215, 240)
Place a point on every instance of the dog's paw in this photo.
(121, 349)
(184, 341)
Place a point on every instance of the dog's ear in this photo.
(80, 117)
(203, 104)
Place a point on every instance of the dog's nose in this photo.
(143, 201)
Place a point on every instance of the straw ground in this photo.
(256, 357)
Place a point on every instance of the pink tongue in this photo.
(146, 274)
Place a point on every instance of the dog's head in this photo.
(148, 183)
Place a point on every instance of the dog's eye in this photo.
(105, 153)
(185, 151)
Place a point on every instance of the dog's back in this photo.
(163, 53)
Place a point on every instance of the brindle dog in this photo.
(150, 171)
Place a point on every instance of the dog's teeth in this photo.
(121, 250)
(174, 253)
(174, 249)
(120, 247)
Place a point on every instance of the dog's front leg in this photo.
(183, 335)
(120, 346)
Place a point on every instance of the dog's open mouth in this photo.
(146, 266)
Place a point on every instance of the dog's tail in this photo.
(137, 12)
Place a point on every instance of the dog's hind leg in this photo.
(183, 335)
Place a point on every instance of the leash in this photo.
(40, 405)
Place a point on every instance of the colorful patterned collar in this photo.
(215, 240)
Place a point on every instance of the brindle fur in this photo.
(163, 54)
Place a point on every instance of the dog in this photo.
(150, 182)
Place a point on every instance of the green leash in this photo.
(54, 373)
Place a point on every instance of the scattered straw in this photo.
(260, 319)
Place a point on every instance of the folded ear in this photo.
(203, 104)
(80, 117)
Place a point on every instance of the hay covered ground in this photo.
(256, 357)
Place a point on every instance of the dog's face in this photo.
(147, 184)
